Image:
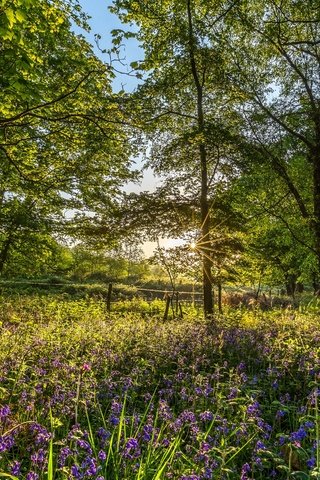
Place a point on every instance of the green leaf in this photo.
(300, 475)
(21, 16)
(10, 16)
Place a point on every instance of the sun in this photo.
(193, 246)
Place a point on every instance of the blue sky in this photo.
(102, 22)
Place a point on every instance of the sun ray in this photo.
(207, 256)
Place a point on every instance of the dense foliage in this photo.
(230, 105)
(63, 141)
(227, 114)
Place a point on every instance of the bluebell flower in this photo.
(206, 416)
(299, 435)
(102, 455)
(6, 442)
(15, 468)
(32, 476)
(131, 449)
(311, 462)
(244, 471)
(38, 458)
(4, 412)
(260, 446)
(75, 472)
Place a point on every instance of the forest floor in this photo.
(89, 394)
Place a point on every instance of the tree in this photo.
(273, 69)
(38, 254)
(63, 136)
(278, 244)
(182, 110)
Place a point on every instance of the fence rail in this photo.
(114, 285)
(171, 297)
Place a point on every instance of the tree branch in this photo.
(7, 121)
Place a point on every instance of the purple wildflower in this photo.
(85, 446)
(75, 472)
(260, 446)
(32, 476)
(6, 442)
(253, 410)
(311, 462)
(114, 420)
(15, 468)
(116, 407)
(147, 433)
(244, 471)
(299, 435)
(64, 454)
(206, 416)
(42, 434)
(4, 412)
(102, 455)
(131, 449)
(38, 458)
(188, 417)
(91, 466)
(233, 393)
(190, 477)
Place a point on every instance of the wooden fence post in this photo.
(166, 311)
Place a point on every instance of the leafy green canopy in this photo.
(63, 136)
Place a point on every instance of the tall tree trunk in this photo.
(204, 204)
(316, 210)
(291, 285)
(5, 251)
(315, 156)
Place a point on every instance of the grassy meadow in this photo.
(87, 394)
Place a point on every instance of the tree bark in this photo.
(316, 207)
(204, 203)
(5, 251)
